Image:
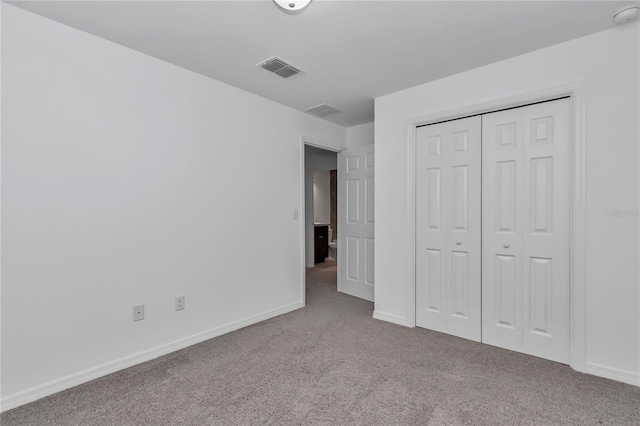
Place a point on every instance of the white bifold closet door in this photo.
(493, 226)
(448, 244)
(525, 239)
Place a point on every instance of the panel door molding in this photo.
(526, 300)
(356, 250)
(448, 245)
(512, 196)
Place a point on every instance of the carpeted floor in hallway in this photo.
(331, 363)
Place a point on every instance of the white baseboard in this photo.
(625, 376)
(395, 319)
(38, 392)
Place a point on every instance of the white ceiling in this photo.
(352, 51)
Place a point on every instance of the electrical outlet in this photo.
(138, 312)
(179, 303)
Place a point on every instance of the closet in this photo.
(492, 228)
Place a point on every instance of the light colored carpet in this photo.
(332, 364)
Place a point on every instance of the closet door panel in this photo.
(502, 198)
(546, 236)
(525, 204)
(448, 262)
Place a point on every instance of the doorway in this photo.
(321, 211)
(349, 240)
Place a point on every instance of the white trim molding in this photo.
(395, 319)
(578, 237)
(55, 386)
(617, 374)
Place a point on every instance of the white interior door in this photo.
(448, 227)
(525, 212)
(355, 222)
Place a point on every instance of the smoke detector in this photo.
(322, 110)
(626, 14)
(281, 67)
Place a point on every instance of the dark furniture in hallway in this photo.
(321, 238)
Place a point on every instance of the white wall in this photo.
(608, 65)
(128, 180)
(360, 135)
(321, 197)
(315, 160)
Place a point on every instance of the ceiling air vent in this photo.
(322, 110)
(280, 67)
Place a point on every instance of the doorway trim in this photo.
(302, 216)
(575, 91)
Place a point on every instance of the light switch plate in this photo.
(179, 303)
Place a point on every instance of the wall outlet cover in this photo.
(138, 312)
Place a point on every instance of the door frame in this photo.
(302, 216)
(576, 92)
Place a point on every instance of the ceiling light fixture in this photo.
(626, 14)
(292, 6)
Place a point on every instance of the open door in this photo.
(355, 222)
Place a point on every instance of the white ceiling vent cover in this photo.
(280, 66)
(322, 110)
